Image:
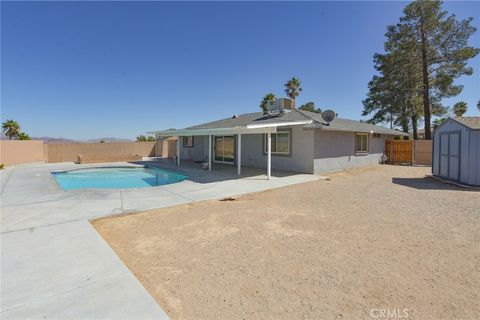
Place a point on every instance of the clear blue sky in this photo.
(102, 69)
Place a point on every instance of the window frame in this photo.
(187, 145)
(361, 134)
(275, 153)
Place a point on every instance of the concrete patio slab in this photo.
(55, 265)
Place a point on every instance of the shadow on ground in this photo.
(427, 183)
(219, 172)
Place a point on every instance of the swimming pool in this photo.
(116, 178)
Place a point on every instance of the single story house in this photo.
(285, 139)
(456, 150)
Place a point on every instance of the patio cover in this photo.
(256, 128)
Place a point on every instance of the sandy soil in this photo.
(368, 242)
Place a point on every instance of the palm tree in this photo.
(267, 99)
(11, 129)
(292, 88)
(459, 108)
(23, 136)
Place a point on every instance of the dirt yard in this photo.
(369, 244)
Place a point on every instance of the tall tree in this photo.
(11, 129)
(393, 94)
(459, 108)
(310, 106)
(293, 88)
(440, 49)
(267, 99)
(478, 105)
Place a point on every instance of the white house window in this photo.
(280, 143)
(361, 143)
(188, 142)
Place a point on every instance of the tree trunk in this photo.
(405, 125)
(426, 87)
(415, 127)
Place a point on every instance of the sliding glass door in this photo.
(224, 149)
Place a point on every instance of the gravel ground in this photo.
(372, 243)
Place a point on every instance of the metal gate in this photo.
(450, 155)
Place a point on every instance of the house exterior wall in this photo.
(469, 152)
(299, 160)
(312, 151)
(335, 150)
(199, 151)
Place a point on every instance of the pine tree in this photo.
(440, 48)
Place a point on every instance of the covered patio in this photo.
(238, 131)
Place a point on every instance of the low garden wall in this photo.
(422, 152)
(17, 152)
(23, 151)
(66, 152)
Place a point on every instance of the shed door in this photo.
(450, 155)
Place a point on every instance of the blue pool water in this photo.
(116, 178)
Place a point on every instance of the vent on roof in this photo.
(280, 106)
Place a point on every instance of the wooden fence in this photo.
(399, 151)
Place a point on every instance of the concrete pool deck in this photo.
(54, 263)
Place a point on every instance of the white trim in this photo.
(216, 131)
(278, 124)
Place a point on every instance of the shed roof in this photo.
(470, 122)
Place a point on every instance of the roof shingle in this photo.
(337, 124)
(471, 122)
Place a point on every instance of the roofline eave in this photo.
(213, 131)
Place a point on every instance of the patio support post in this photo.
(209, 152)
(239, 154)
(269, 155)
(178, 151)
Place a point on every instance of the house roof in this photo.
(470, 122)
(310, 119)
(254, 118)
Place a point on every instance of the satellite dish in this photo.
(328, 115)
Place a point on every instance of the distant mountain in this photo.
(111, 139)
(64, 140)
(54, 140)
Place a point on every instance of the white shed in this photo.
(456, 150)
